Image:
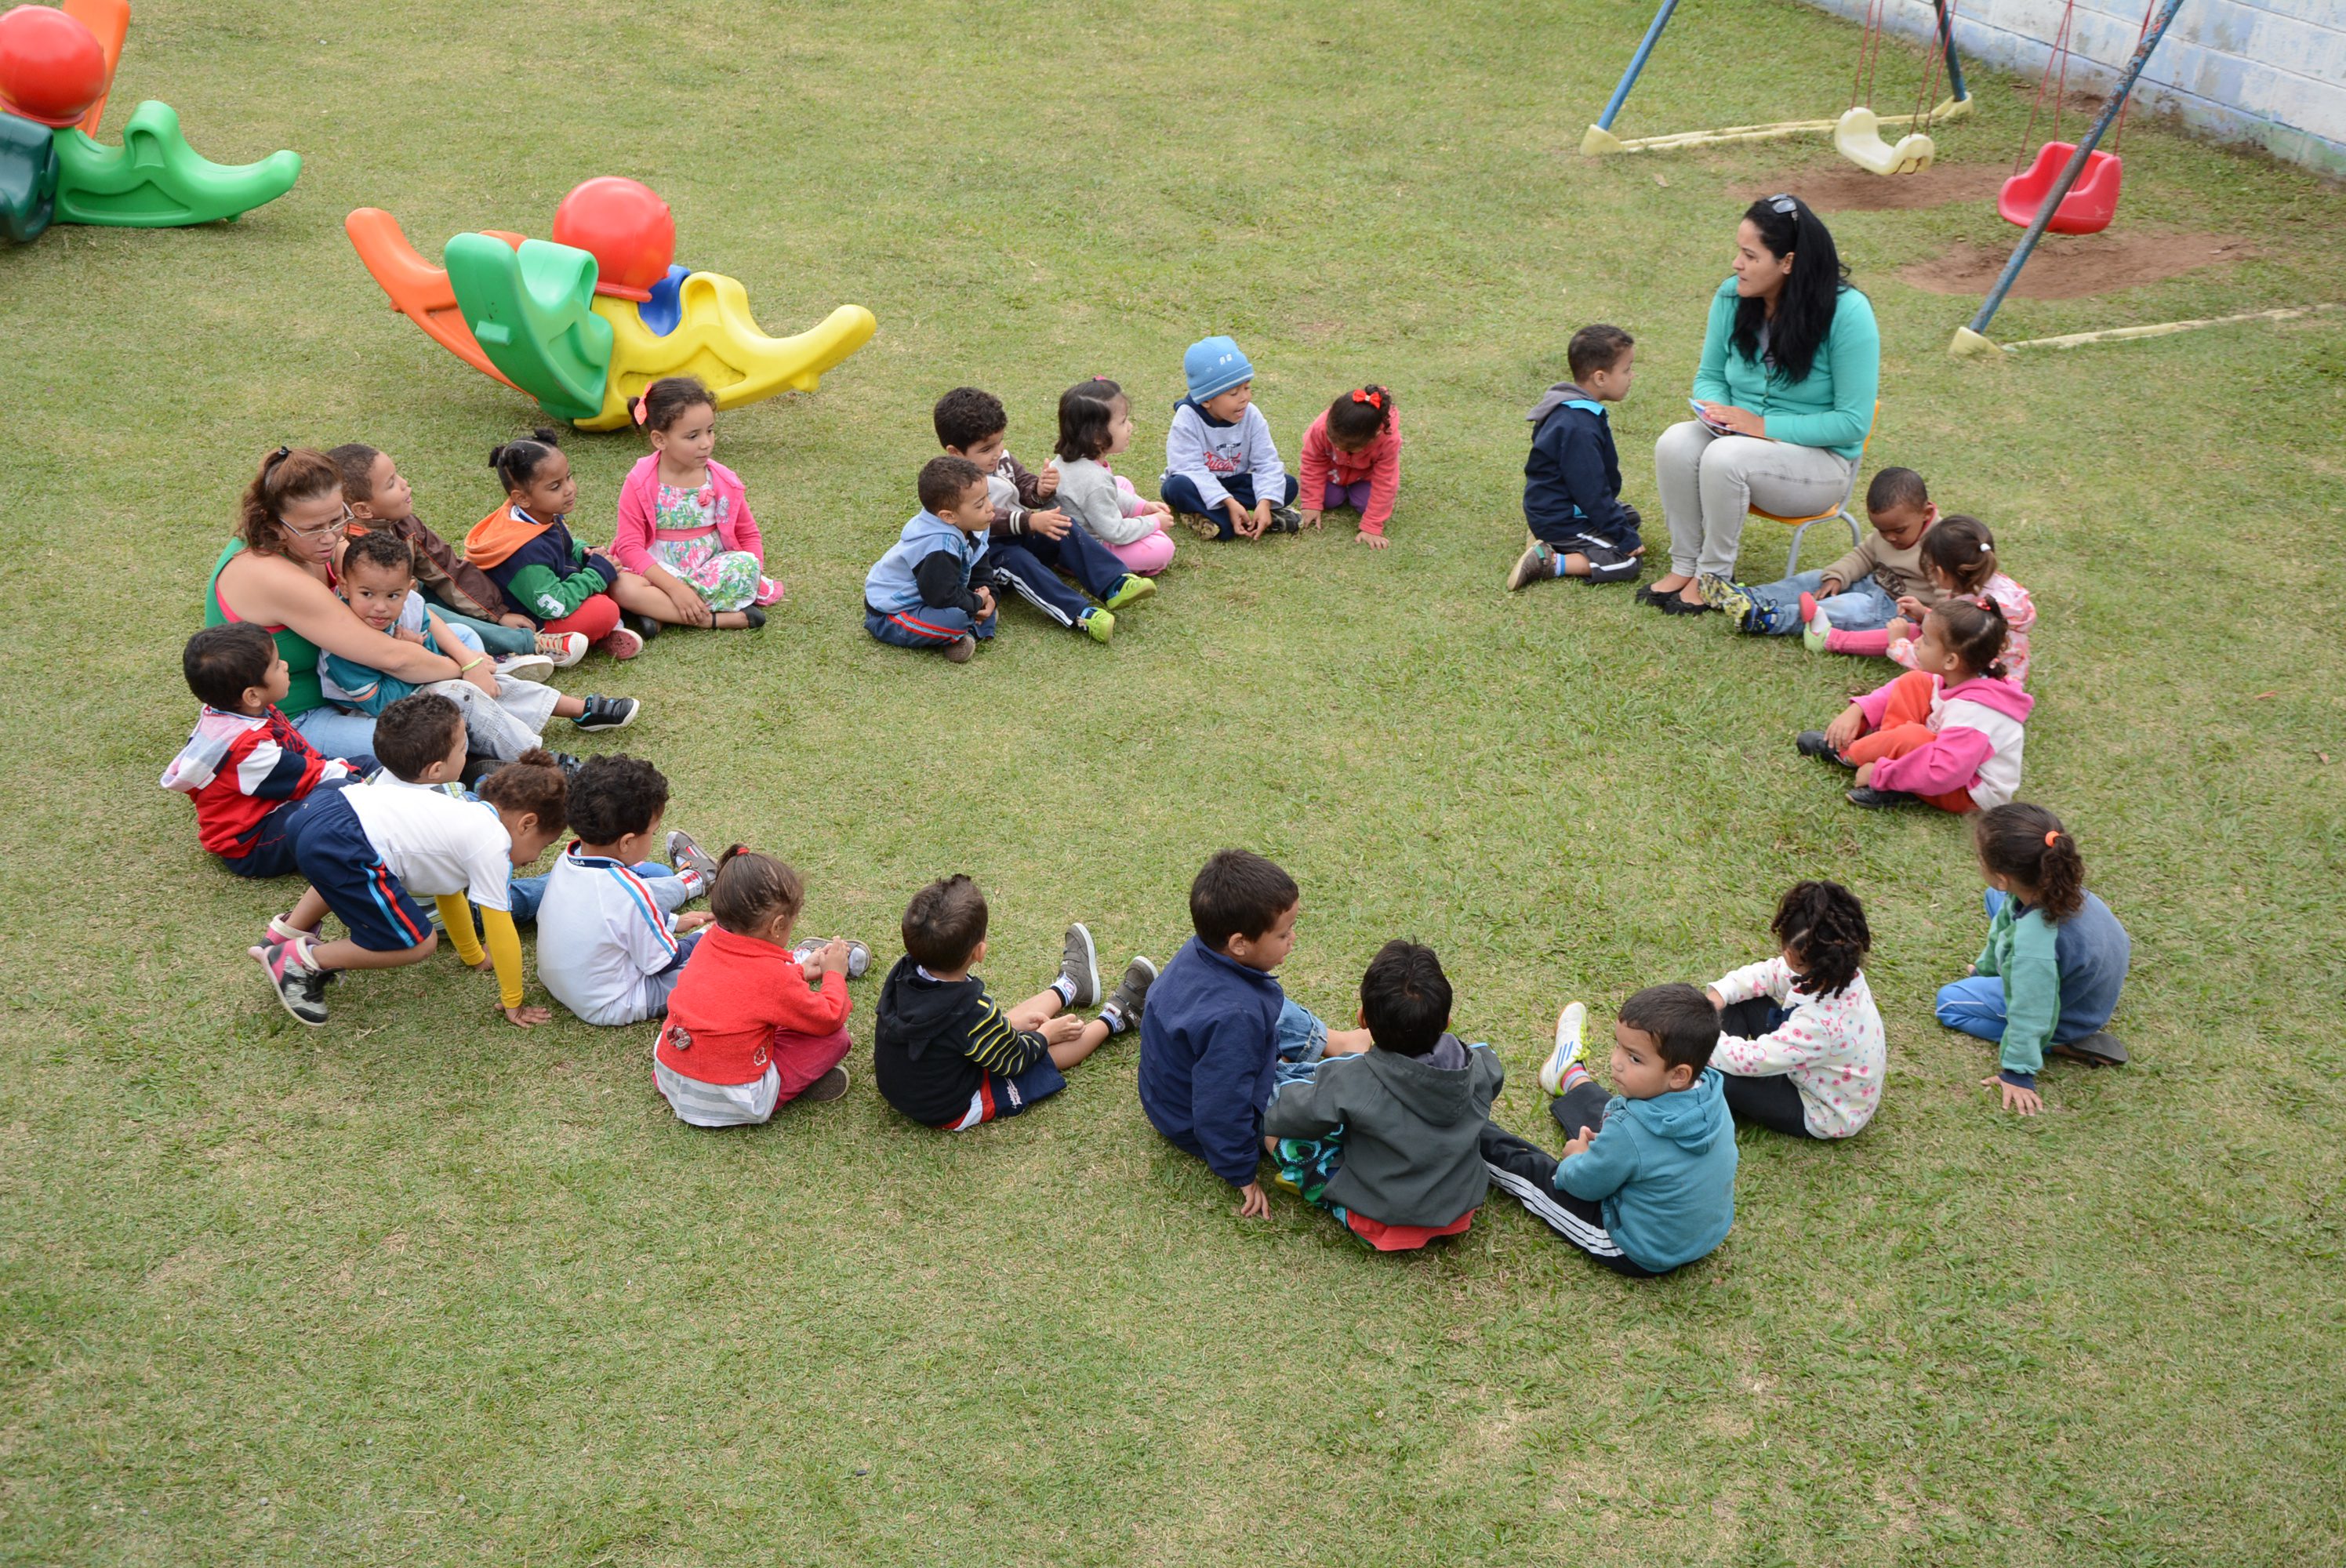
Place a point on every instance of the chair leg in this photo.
(1855, 538)
(1792, 562)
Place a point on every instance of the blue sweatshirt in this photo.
(1207, 1047)
(1662, 1169)
(929, 564)
(2061, 983)
(1572, 481)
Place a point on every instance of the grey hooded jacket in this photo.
(1412, 1128)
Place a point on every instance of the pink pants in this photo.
(1148, 555)
(801, 1059)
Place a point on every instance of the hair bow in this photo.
(642, 409)
(1369, 395)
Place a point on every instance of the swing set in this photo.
(1858, 134)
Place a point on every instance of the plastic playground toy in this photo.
(2089, 203)
(1858, 134)
(586, 321)
(56, 67)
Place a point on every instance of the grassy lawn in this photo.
(423, 1289)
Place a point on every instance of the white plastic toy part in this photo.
(1857, 137)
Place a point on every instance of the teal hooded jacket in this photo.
(1831, 407)
(1663, 1171)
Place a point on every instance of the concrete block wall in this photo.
(2269, 71)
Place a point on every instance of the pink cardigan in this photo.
(631, 546)
(1379, 462)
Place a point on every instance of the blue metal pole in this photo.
(1947, 42)
(2077, 166)
(1637, 63)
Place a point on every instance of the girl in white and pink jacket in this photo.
(1948, 732)
(1800, 1042)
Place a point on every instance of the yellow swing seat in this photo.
(1857, 137)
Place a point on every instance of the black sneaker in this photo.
(831, 1087)
(1131, 995)
(1079, 966)
(1286, 520)
(569, 765)
(301, 990)
(643, 626)
(607, 713)
(1873, 799)
(1812, 743)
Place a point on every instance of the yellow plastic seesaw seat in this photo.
(1857, 137)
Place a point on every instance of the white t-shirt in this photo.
(601, 937)
(434, 842)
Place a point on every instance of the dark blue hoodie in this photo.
(1207, 1047)
(1572, 481)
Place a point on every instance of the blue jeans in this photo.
(1861, 607)
(524, 894)
(1975, 1004)
(1301, 1043)
(926, 626)
(1180, 492)
(336, 733)
(493, 640)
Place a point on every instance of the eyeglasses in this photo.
(1784, 204)
(336, 526)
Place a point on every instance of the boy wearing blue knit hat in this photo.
(1222, 473)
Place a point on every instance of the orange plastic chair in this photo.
(1800, 526)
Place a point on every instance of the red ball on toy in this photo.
(625, 227)
(52, 69)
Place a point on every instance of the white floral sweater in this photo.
(1831, 1047)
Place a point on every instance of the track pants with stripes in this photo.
(1527, 1173)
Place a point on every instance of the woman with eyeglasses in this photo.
(279, 572)
(1791, 365)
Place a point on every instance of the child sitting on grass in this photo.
(1647, 1183)
(1352, 457)
(382, 502)
(1222, 475)
(610, 945)
(369, 850)
(245, 767)
(526, 548)
(1948, 732)
(1959, 558)
(685, 526)
(1389, 1140)
(944, 1053)
(503, 713)
(970, 423)
(1860, 592)
(1221, 1033)
(1094, 425)
(1800, 1042)
(2048, 979)
(753, 1024)
(1579, 525)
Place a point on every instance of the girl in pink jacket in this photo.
(1352, 457)
(685, 524)
(1959, 554)
(1948, 732)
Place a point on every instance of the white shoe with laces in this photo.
(1569, 1047)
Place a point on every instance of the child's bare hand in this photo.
(1900, 629)
(407, 635)
(1160, 511)
(984, 602)
(1050, 525)
(1257, 1202)
(1061, 1029)
(1579, 1145)
(693, 922)
(1912, 608)
(1843, 731)
(832, 958)
(2027, 1102)
(517, 621)
(1261, 519)
(1373, 540)
(1047, 483)
(1310, 517)
(528, 1017)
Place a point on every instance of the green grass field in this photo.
(420, 1288)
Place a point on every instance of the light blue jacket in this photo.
(1663, 1170)
(1831, 407)
(890, 588)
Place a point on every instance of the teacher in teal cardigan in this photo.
(1791, 366)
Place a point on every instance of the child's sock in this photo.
(1113, 1019)
(1574, 1072)
(1875, 643)
(1559, 564)
(1816, 631)
(1065, 989)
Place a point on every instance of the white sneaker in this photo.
(565, 648)
(525, 667)
(1568, 1025)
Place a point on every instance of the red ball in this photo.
(625, 227)
(52, 69)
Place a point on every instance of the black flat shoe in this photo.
(753, 619)
(2099, 1049)
(1812, 743)
(1873, 799)
(1671, 604)
(643, 626)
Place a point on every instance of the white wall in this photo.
(2271, 71)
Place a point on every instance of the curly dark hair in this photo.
(1825, 925)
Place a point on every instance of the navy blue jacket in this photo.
(1572, 481)
(1207, 1046)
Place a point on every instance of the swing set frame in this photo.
(1599, 141)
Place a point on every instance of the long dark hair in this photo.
(1804, 311)
(1084, 413)
(2028, 844)
(1825, 924)
(1975, 633)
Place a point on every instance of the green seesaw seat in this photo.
(28, 178)
(156, 180)
(531, 309)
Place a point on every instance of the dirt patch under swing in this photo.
(1854, 190)
(2074, 266)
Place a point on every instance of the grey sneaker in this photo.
(1079, 966)
(1535, 563)
(300, 989)
(859, 957)
(685, 853)
(831, 1087)
(1131, 995)
(961, 650)
(525, 667)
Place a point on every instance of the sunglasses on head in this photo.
(1784, 204)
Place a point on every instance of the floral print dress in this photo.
(687, 545)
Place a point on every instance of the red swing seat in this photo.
(2088, 207)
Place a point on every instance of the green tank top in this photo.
(300, 654)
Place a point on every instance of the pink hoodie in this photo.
(631, 546)
(1978, 724)
(1379, 462)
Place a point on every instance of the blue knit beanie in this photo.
(1214, 366)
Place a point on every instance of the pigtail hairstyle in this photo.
(517, 462)
(1825, 924)
(1811, 295)
(532, 784)
(752, 891)
(1975, 633)
(1358, 417)
(288, 473)
(2028, 844)
(667, 400)
(1961, 547)
(1086, 411)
